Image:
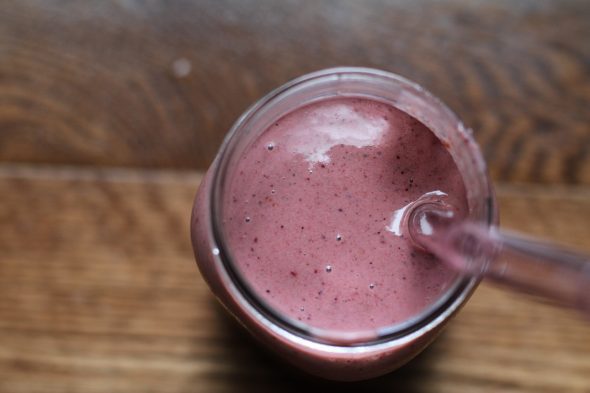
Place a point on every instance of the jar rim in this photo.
(430, 316)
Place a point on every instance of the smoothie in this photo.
(312, 214)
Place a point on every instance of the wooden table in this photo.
(111, 110)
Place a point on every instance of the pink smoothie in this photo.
(310, 214)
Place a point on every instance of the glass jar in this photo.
(329, 353)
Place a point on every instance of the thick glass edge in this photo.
(449, 302)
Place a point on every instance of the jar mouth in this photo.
(401, 94)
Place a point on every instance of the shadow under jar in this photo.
(297, 226)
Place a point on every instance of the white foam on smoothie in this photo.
(326, 127)
(395, 223)
(396, 220)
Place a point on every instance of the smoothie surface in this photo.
(310, 214)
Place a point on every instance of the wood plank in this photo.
(99, 292)
(157, 84)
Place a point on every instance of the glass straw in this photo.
(521, 263)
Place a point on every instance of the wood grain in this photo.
(157, 84)
(99, 293)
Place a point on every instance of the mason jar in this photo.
(333, 353)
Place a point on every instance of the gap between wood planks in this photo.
(149, 175)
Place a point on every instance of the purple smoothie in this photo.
(311, 214)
